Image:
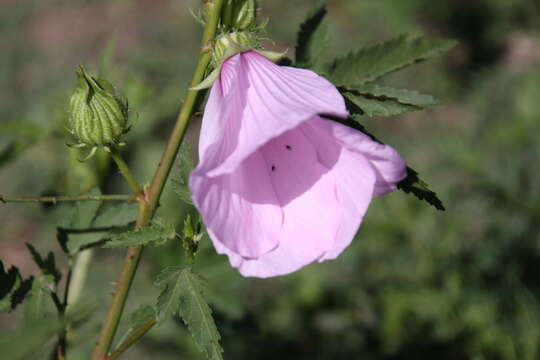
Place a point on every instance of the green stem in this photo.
(137, 334)
(148, 207)
(55, 199)
(124, 170)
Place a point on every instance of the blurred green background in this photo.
(416, 283)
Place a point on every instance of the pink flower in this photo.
(278, 186)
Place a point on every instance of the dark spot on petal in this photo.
(273, 167)
(288, 147)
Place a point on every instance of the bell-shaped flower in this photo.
(277, 185)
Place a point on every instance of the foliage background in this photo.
(416, 283)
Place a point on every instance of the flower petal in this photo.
(261, 101)
(365, 169)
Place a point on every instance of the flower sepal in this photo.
(230, 44)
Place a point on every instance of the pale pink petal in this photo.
(306, 190)
(274, 98)
(277, 186)
(365, 169)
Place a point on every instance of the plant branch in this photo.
(149, 206)
(64, 198)
(137, 334)
(124, 170)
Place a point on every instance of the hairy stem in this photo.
(148, 207)
(62, 198)
(137, 334)
(124, 170)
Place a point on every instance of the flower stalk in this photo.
(147, 209)
(64, 198)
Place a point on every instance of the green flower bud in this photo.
(239, 14)
(98, 117)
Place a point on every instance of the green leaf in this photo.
(414, 185)
(36, 305)
(376, 107)
(183, 293)
(47, 265)
(18, 137)
(370, 63)
(185, 166)
(403, 96)
(87, 226)
(116, 215)
(137, 319)
(75, 231)
(313, 37)
(13, 289)
(28, 342)
(158, 232)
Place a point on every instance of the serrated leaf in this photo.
(46, 265)
(370, 63)
(183, 293)
(75, 229)
(138, 319)
(169, 299)
(312, 38)
(36, 305)
(158, 232)
(376, 107)
(86, 225)
(185, 166)
(403, 96)
(13, 289)
(116, 215)
(414, 185)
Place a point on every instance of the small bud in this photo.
(98, 117)
(239, 14)
(192, 234)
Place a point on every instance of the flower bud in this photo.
(239, 14)
(98, 117)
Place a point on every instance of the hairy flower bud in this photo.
(98, 117)
(239, 14)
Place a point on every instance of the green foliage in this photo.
(18, 136)
(370, 63)
(183, 293)
(137, 319)
(157, 233)
(374, 106)
(312, 39)
(39, 300)
(375, 100)
(13, 288)
(29, 341)
(88, 223)
(192, 233)
(412, 184)
(47, 265)
(181, 178)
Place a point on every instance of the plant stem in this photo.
(137, 334)
(149, 206)
(62, 337)
(126, 173)
(55, 199)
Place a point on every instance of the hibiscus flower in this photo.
(278, 185)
